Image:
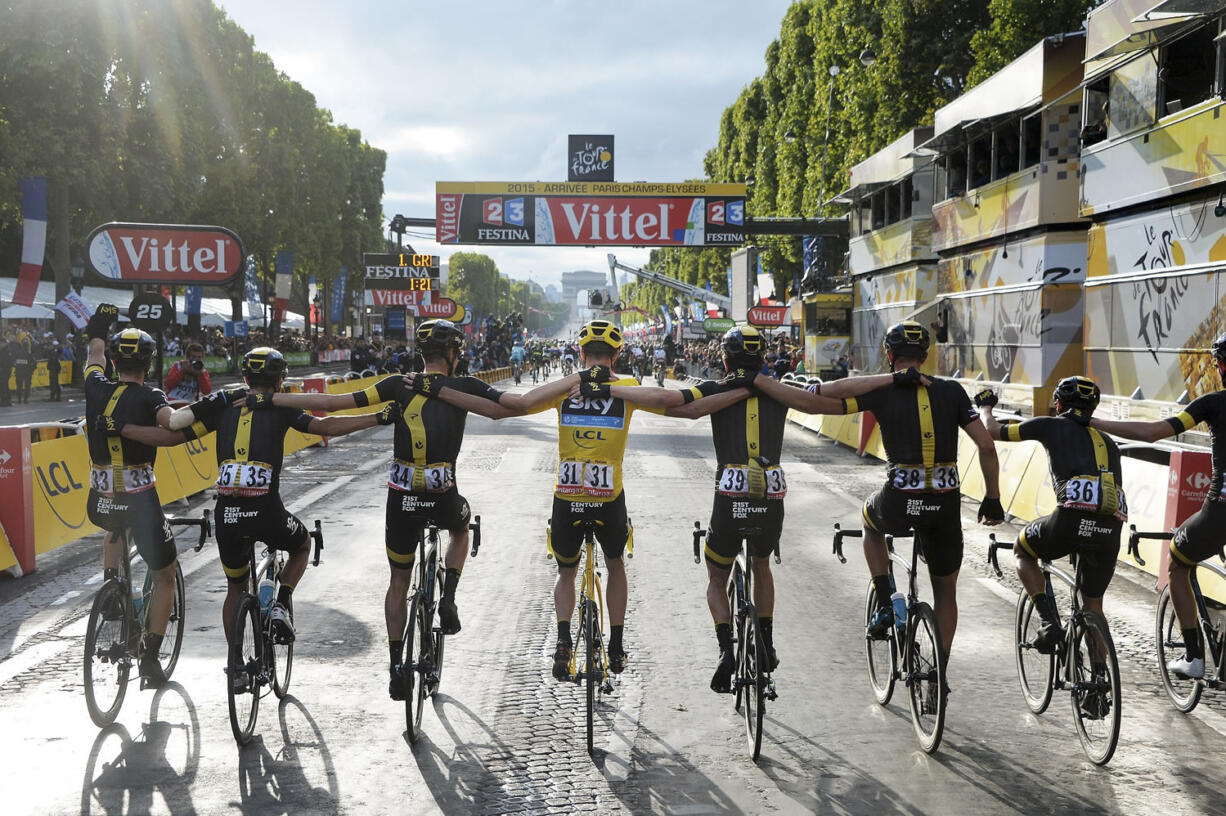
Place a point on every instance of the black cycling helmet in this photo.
(438, 335)
(264, 366)
(906, 339)
(743, 345)
(1218, 349)
(1077, 393)
(601, 331)
(132, 346)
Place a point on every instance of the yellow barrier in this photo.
(41, 378)
(60, 470)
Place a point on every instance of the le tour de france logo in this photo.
(590, 158)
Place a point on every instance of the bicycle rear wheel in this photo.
(244, 668)
(1035, 672)
(882, 654)
(108, 660)
(1096, 686)
(925, 676)
(1184, 693)
(591, 668)
(752, 679)
(417, 672)
(736, 635)
(282, 663)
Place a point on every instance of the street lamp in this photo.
(867, 58)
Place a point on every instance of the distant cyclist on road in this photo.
(517, 360)
(1091, 508)
(919, 428)
(122, 487)
(1201, 536)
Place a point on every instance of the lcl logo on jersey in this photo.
(498, 211)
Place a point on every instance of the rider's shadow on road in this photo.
(151, 773)
(662, 780)
(460, 781)
(292, 773)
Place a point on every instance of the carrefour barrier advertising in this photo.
(590, 214)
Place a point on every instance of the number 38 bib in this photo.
(585, 478)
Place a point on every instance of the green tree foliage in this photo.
(163, 111)
(774, 134)
(1016, 27)
(473, 279)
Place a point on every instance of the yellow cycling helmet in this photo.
(601, 331)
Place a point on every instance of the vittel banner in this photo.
(590, 214)
(165, 253)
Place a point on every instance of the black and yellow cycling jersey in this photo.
(119, 465)
(748, 437)
(250, 443)
(1210, 409)
(591, 444)
(1085, 464)
(428, 438)
(919, 430)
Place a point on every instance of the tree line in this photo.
(164, 111)
(772, 137)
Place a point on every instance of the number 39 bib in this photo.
(734, 481)
(585, 478)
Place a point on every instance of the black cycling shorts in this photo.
(1095, 538)
(1200, 537)
(566, 539)
(407, 515)
(760, 521)
(141, 515)
(936, 519)
(243, 520)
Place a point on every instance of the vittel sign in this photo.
(165, 253)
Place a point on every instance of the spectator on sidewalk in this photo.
(23, 367)
(53, 370)
(188, 379)
(6, 368)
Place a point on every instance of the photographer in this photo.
(187, 379)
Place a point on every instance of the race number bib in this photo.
(136, 478)
(776, 484)
(585, 478)
(244, 478)
(1082, 493)
(945, 478)
(909, 477)
(407, 477)
(733, 481)
(913, 478)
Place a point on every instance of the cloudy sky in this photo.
(486, 90)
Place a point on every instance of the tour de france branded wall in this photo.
(1154, 301)
(905, 241)
(883, 299)
(590, 214)
(1014, 311)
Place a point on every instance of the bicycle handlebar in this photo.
(993, 546)
(318, 535)
(1134, 541)
(699, 533)
(205, 523)
(475, 526)
(839, 535)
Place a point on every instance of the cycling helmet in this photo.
(906, 339)
(264, 366)
(132, 346)
(1078, 394)
(1218, 349)
(743, 345)
(600, 331)
(438, 335)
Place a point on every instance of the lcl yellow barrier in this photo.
(41, 378)
(60, 476)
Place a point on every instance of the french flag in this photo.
(34, 239)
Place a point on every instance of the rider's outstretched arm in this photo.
(153, 436)
(709, 405)
(1143, 431)
(819, 403)
(340, 425)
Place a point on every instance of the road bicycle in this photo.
(517, 370)
(660, 375)
(118, 619)
(259, 657)
(568, 367)
(1185, 692)
(422, 673)
(1084, 662)
(593, 671)
(751, 682)
(911, 650)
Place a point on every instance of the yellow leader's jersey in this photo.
(591, 443)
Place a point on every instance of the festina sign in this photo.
(165, 253)
(402, 270)
(767, 315)
(590, 214)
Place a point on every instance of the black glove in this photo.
(594, 390)
(991, 511)
(235, 396)
(108, 425)
(99, 324)
(908, 376)
(986, 397)
(740, 378)
(596, 374)
(257, 401)
(429, 384)
(390, 414)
